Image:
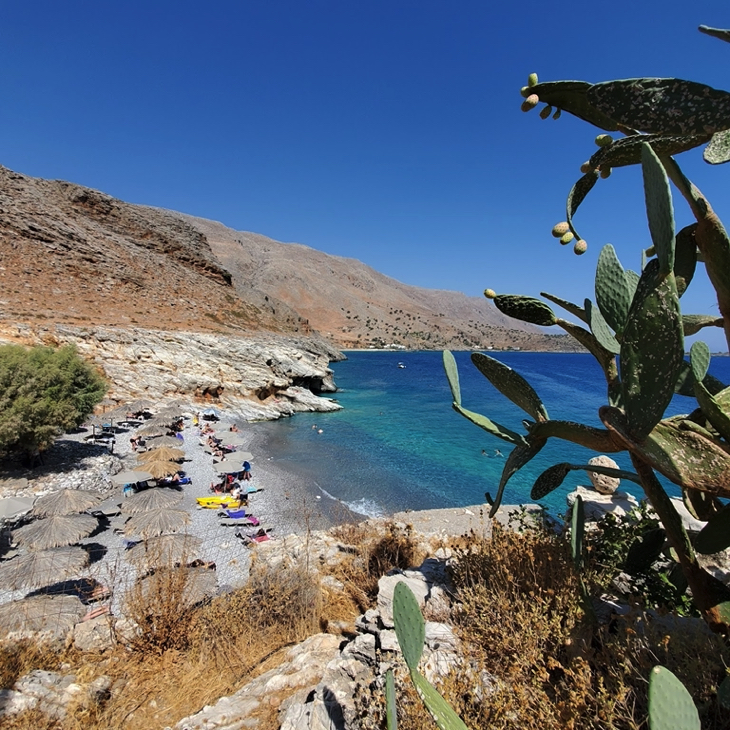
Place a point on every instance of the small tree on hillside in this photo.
(44, 391)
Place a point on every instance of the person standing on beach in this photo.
(246, 475)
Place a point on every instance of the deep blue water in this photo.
(397, 444)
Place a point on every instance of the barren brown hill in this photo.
(355, 306)
(76, 256)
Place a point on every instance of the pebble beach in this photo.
(282, 502)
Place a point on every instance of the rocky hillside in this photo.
(74, 256)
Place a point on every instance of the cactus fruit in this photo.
(580, 247)
(586, 167)
(545, 112)
(525, 92)
(530, 102)
(567, 238)
(605, 172)
(532, 80)
(490, 293)
(560, 229)
(670, 705)
(603, 140)
(557, 114)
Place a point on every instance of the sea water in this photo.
(397, 444)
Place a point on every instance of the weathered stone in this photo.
(388, 640)
(597, 506)
(601, 483)
(94, 635)
(386, 585)
(362, 648)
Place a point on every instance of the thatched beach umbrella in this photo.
(57, 614)
(11, 507)
(42, 567)
(55, 531)
(152, 430)
(227, 467)
(199, 584)
(131, 477)
(160, 522)
(161, 453)
(165, 550)
(151, 499)
(65, 502)
(157, 441)
(162, 469)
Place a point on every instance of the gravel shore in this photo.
(283, 503)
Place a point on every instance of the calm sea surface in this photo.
(397, 444)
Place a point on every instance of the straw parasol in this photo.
(11, 507)
(159, 522)
(162, 469)
(141, 404)
(151, 499)
(161, 453)
(164, 550)
(57, 614)
(154, 442)
(65, 502)
(131, 477)
(152, 430)
(227, 467)
(200, 583)
(42, 567)
(55, 531)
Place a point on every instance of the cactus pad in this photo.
(519, 456)
(662, 106)
(526, 309)
(391, 711)
(659, 209)
(577, 531)
(723, 35)
(685, 257)
(644, 551)
(578, 194)
(714, 537)
(442, 712)
(699, 360)
(652, 350)
(600, 329)
(511, 384)
(718, 151)
(627, 150)
(452, 375)
(492, 427)
(549, 480)
(613, 292)
(410, 627)
(574, 309)
(670, 705)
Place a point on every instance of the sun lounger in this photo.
(95, 612)
(239, 522)
(248, 533)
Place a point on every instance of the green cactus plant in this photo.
(410, 630)
(636, 328)
(670, 705)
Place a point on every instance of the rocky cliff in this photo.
(261, 376)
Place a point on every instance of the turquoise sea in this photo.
(397, 444)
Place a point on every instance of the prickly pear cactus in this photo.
(410, 627)
(391, 712)
(411, 632)
(670, 705)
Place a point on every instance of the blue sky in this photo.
(389, 132)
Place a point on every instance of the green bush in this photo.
(44, 391)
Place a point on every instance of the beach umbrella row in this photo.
(151, 499)
(161, 453)
(165, 550)
(157, 522)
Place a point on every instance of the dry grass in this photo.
(378, 550)
(531, 659)
(185, 656)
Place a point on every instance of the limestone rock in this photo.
(94, 635)
(597, 506)
(601, 483)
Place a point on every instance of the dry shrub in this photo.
(531, 659)
(377, 549)
(160, 605)
(19, 658)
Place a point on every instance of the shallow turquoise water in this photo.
(397, 444)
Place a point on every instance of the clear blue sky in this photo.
(388, 131)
